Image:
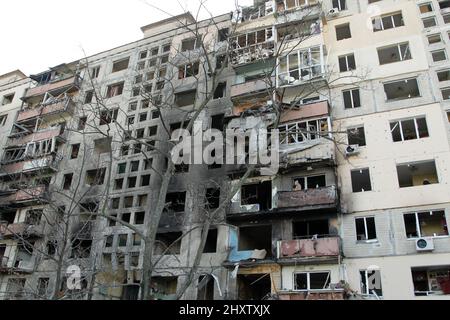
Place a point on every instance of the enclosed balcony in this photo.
(320, 250)
(58, 85)
(58, 107)
(310, 199)
(252, 47)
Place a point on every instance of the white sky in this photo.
(38, 34)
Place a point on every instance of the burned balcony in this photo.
(316, 250)
(310, 199)
(21, 230)
(55, 132)
(23, 197)
(252, 47)
(259, 10)
(61, 106)
(54, 84)
(40, 164)
(253, 198)
(252, 92)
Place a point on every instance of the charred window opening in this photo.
(431, 280)
(212, 198)
(310, 229)
(365, 229)
(81, 249)
(253, 286)
(426, 224)
(175, 201)
(211, 241)
(257, 194)
(164, 286)
(205, 288)
(417, 174)
(167, 244)
(256, 238)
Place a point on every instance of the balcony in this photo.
(40, 135)
(23, 197)
(49, 162)
(325, 250)
(337, 294)
(60, 107)
(311, 199)
(54, 87)
(8, 231)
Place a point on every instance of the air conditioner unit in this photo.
(333, 12)
(425, 244)
(352, 150)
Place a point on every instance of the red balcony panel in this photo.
(326, 196)
(43, 110)
(312, 110)
(308, 248)
(249, 87)
(49, 87)
(311, 295)
(27, 166)
(24, 195)
(36, 136)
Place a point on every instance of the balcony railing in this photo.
(251, 87)
(24, 196)
(21, 229)
(46, 109)
(321, 197)
(321, 248)
(48, 162)
(45, 134)
(327, 294)
(56, 85)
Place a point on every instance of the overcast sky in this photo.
(38, 34)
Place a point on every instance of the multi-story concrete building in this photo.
(358, 208)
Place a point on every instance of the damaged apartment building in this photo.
(359, 206)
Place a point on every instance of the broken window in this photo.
(205, 288)
(351, 99)
(15, 288)
(309, 182)
(43, 287)
(109, 241)
(67, 181)
(417, 174)
(145, 180)
(394, 53)
(347, 63)
(139, 218)
(256, 238)
(131, 182)
(120, 65)
(298, 30)
(191, 44)
(402, 89)
(410, 129)
(343, 31)
(361, 180)
(115, 90)
(175, 201)
(33, 217)
(307, 281)
(212, 198)
(75, 151)
(81, 249)
(431, 280)
(426, 224)
(371, 282)
(185, 98)
(304, 131)
(162, 287)
(301, 65)
(356, 136)
(168, 243)
(108, 116)
(188, 70)
(89, 96)
(123, 238)
(7, 99)
(220, 91)
(211, 242)
(365, 229)
(82, 123)
(223, 34)
(308, 229)
(393, 20)
(257, 194)
(95, 177)
(254, 286)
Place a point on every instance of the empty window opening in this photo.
(310, 228)
(33, 217)
(211, 241)
(343, 32)
(394, 53)
(175, 201)
(403, 89)
(217, 121)
(347, 63)
(253, 286)
(186, 98)
(75, 151)
(167, 244)
(67, 181)
(191, 44)
(103, 145)
(431, 280)
(361, 180)
(426, 224)
(132, 182)
(163, 286)
(386, 22)
(308, 281)
(356, 136)
(220, 91)
(108, 116)
(139, 218)
(257, 194)
(115, 90)
(365, 229)
(417, 174)
(205, 288)
(123, 238)
(212, 198)
(131, 292)
(128, 202)
(7, 99)
(81, 249)
(256, 238)
(309, 182)
(410, 129)
(95, 177)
